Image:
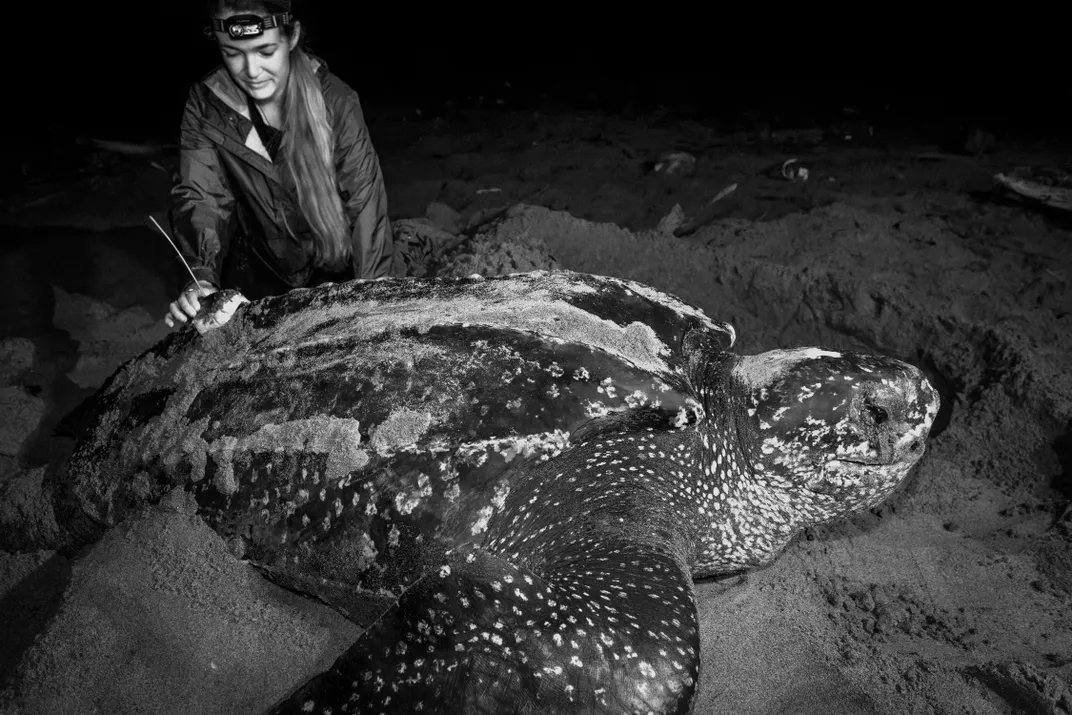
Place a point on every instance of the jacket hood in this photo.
(221, 84)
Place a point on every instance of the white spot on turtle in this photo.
(481, 524)
(338, 438)
(501, 492)
(607, 387)
(453, 492)
(404, 504)
(595, 409)
(682, 418)
(401, 429)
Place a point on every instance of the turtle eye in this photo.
(878, 413)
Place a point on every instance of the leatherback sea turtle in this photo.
(509, 482)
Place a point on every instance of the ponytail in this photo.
(308, 149)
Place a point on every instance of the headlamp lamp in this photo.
(243, 27)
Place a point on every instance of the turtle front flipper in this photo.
(609, 629)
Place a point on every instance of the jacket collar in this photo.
(221, 84)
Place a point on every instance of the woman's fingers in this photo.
(187, 304)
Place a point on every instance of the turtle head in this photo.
(836, 431)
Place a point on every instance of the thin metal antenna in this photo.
(200, 290)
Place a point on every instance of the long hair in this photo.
(308, 144)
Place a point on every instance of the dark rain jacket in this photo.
(231, 198)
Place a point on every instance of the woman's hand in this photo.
(188, 304)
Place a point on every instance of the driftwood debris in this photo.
(1053, 190)
(145, 149)
(710, 211)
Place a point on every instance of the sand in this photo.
(955, 596)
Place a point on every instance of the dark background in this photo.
(123, 72)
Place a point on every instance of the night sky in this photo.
(125, 75)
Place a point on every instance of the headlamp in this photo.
(243, 27)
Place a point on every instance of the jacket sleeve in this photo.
(361, 187)
(201, 199)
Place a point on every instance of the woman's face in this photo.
(259, 65)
